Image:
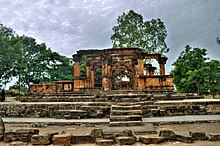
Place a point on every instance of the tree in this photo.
(189, 63)
(42, 64)
(212, 80)
(9, 57)
(22, 57)
(132, 31)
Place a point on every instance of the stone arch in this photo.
(123, 68)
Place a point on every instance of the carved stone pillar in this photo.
(76, 60)
(92, 78)
(106, 72)
(88, 76)
(162, 62)
(140, 66)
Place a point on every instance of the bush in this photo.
(14, 93)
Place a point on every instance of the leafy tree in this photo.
(42, 64)
(29, 62)
(212, 80)
(189, 63)
(132, 31)
(194, 73)
(9, 57)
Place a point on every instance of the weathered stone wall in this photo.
(102, 109)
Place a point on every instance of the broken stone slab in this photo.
(213, 136)
(125, 133)
(168, 134)
(184, 138)
(27, 131)
(104, 142)
(125, 140)
(82, 139)
(198, 135)
(10, 136)
(97, 133)
(62, 139)
(42, 139)
(151, 139)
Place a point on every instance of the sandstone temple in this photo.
(113, 63)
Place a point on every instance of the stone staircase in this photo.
(125, 114)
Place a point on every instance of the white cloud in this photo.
(66, 26)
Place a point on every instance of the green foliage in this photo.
(83, 66)
(132, 31)
(22, 57)
(14, 93)
(193, 73)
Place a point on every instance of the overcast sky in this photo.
(69, 25)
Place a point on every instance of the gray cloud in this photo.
(70, 25)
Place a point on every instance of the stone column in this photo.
(88, 76)
(140, 66)
(76, 59)
(140, 72)
(162, 62)
(106, 71)
(92, 78)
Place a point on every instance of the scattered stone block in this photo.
(104, 142)
(43, 139)
(62, 139)
(126, 133)
(184, 138)
(151, 139)
(213, 136)
(25, 135)
(10, 136)
(125, 140)
(198, 135)
(82, 139)
(97, 133)
(168, 134)
(27, 131)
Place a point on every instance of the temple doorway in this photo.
(121, 82)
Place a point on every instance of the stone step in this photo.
(126, 112)
(70, 114)
(125, 123)
(128, 107)
(126, 118)
(91, 107)
(116, 99)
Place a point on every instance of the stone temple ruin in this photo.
(129, 62)
(117, 109)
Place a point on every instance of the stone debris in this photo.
(213, 136)
(82, 139)
(151, 139)
(168, 134)
(184, 138)
(125, 140)
(62, 139)
(198, 135)
(42, 139)
(24, 137)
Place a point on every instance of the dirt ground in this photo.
(177, 128)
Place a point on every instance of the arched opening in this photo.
(122, 82)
